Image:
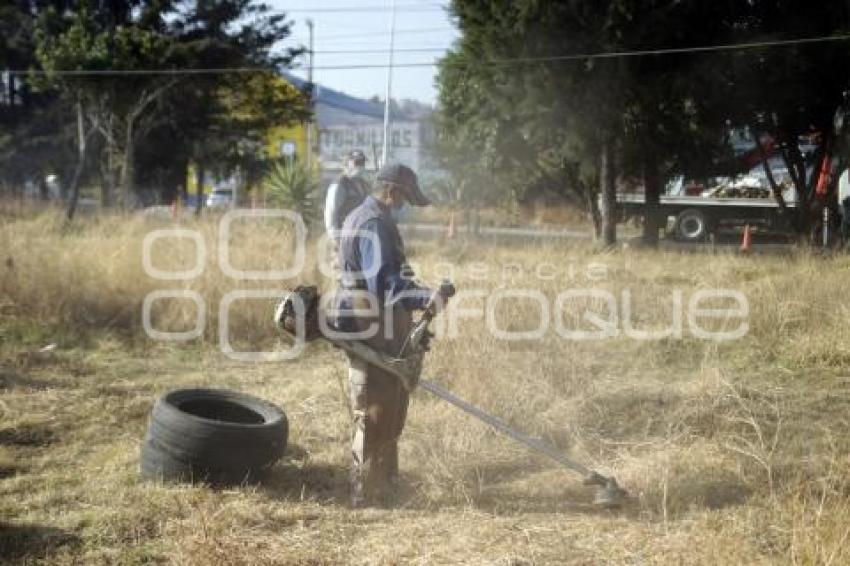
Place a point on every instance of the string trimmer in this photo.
(298, 316)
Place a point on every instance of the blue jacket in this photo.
(371, 258)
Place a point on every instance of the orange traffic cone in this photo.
(747, 240)
(450, 229)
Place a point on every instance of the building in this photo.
(343, 123)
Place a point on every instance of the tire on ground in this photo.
(692, 225)
(215, 436)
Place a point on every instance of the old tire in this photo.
(214, 436)
(692, 226)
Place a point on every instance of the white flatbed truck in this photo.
(696, 218)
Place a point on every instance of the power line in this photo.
(660, 51)
(346, 9)
(355, 67)
(368, 47)
(543, 59)
(680, 50)
(617, 54)
(645, 52)
(412, 31)
(138, 72)
(382, 51)
(378, 43)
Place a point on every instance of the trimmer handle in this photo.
(419, 334)
(447, 289)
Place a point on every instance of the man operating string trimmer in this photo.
(373, 280)
(372, 322)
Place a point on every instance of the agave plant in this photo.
(288, 185)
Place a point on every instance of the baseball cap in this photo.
(405, 178)
(357, 156)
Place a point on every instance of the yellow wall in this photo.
(277, 136)
(297, 134)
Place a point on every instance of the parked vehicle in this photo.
(697, 217)
(220, 198)
(700, 207)
(190, 201)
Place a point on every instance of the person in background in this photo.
(844, 205)
(346, 193)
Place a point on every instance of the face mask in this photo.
(399, 213)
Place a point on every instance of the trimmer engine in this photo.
(300, 306)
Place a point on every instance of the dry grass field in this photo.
(733, 452)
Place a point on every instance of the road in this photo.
(727, 241)
(488, 232)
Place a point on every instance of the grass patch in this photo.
(733, 452)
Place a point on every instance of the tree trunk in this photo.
(11, 78)
(777, 191)
(43, 189)
(592, 204)
(74, 188)
(608, 189)
(106, 181)
(237, 189)
(809, 210)
(127, 167)
(799, 191)
(652, 200)
(199, 182)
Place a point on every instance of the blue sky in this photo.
(347, 25)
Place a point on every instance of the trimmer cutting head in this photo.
(609, 494)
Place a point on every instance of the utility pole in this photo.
(385, 149)
(312, 116)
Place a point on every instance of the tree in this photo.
(787, 92)
(31, 144)
(118, 64)
(535, 122)
(232, 111)
(112, 65)
(672, 121)
(227, 129)
(522, 102)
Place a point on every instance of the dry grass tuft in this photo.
(734, 452)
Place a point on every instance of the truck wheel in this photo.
(212, 435)
(692, 226)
